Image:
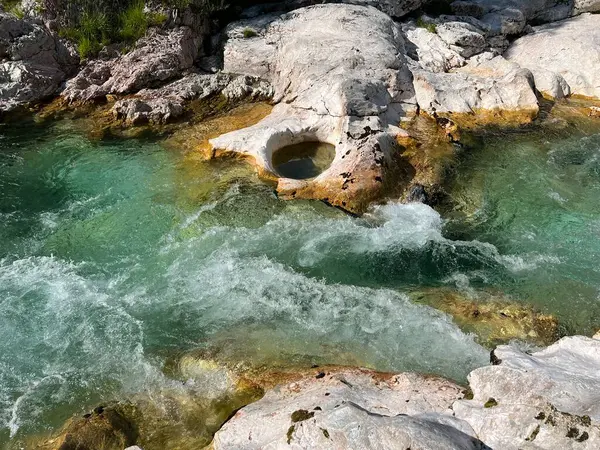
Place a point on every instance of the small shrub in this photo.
(156, 19)
(427, 25)
(249, 32)
(86, 47)
(13, 7)
(17, 11)
(133, 22)
(93, 33)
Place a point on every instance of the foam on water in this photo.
(116, 256)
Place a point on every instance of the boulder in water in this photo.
(486, 90)
(339, 77)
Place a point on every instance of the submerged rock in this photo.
(562, 56)
(352, 408)
(340, 77)
(494, 319)
(33, 62)
(546, 400)
(185, 416)
(105, 427)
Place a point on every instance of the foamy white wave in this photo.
(556, 196)
(62, 334)
(382, 325)
(516, 263)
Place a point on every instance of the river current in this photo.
(116, 254)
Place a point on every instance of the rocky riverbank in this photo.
(541, 400)
(350, 75)
(394, 87)
(523, 400)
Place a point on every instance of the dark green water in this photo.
(115, 255)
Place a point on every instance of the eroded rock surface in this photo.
(33, 62)
(487, 89)
(510, 17)
(562, 56)
(340, 77)
(545, 400)
(169, 102)
(352, 408)
(393, 8)
(156, 59)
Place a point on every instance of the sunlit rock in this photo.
(33, 62)
(546, 400)
(487, 90)
(340, 78)
(169, 102)
(351, 408)
(156, 58)
(562, 56)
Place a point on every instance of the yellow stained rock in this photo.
(493, 318)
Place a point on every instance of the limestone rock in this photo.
(169, 102)
(157, 58)
(545, 400)
(33, 62)
(340, 77)
(352, 408)
(394, 8)
(464, 37)
(582, 6)
(510, 17)
(482, 88)
(429, 51)
(562, 56)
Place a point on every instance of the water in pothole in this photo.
(304, 160)
(117, 254)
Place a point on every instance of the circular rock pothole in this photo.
(304, 160)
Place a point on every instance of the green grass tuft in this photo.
(427, 25)
(133, 22)
(249, 32)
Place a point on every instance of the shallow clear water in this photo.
(304, 160)
(535, 196)
(115, 255)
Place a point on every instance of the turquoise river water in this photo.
(116, 254)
